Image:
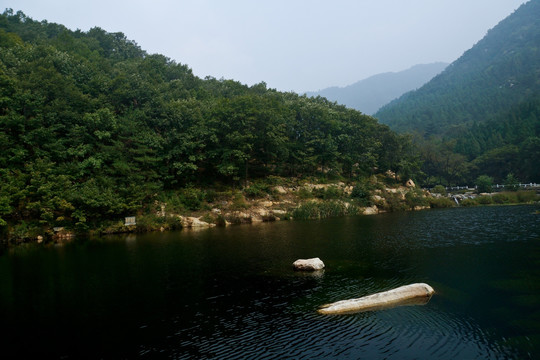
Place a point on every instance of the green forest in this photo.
(506, 144)
(481, 115)
(93, 128)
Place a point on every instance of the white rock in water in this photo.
(413, 294)
(308, 264)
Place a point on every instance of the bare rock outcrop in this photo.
(194, 222)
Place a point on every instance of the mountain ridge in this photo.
(499, 71)
(369, 94)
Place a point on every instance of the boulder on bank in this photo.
(413, 294)
(372, 210)
(410, 183)
(190, 222)
(312, 264)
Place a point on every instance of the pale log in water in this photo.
(413, 294)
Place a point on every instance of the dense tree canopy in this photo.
(93, 127)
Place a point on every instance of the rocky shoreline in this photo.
(281, 202)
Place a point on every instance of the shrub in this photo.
(394, 202)
(484, 200)
(442, 202)
(526, 196)
(239, 202)
(308, 210)
(415, 198)
(304, 193)
(468, 202)
(184, 199)
(258, 189)
(211, 195)
(192, 198)
(220, 220)
(484, 184)
(439, 189)
(330, 193)
(333, 192)
(173, 223)
(321, 210)
(149, 222)
(501, 198)
(25, 231)
(208, 218)
(361, 193)
(511, 183)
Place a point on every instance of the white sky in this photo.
(299, 45)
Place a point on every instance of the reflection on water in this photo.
(231, 293)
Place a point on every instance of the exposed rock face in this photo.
(280, 190)
(193, 222)
(413, 294)
(410, 183)
(312, 264)
(372, 210)
(377, 198)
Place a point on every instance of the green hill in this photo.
(500, 71)
(481, 115)
(94, 128)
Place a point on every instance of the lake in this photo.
(230, 293)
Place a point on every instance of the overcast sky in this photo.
(298, 45)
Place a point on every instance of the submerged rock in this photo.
(413, 294)
(312, 264)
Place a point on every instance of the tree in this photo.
(484, 184)
(511, 183)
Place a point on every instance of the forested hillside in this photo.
(507, 144)
(481, 115)
(370, 94)
(92, 127)
(500, 71)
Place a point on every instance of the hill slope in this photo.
(500, 71)
(370, 94)
(93, 128)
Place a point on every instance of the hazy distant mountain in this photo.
(370, 94)
(499, 72)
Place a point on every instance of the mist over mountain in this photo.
(500, 71)
(481, 116)
(370, 94)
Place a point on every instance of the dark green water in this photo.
(230, 293)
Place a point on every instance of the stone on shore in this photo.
(413, 294)
(372, 210)
(194, 222)
(312, 264)
(410, 183)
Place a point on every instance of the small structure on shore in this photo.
(130, 221)
(312, 264)
(413, 294)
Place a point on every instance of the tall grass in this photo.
(326, 209)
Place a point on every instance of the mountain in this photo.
(502, 70)
(370, 94)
